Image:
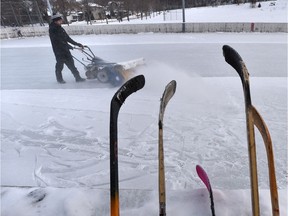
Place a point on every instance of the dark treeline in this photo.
(23, 12)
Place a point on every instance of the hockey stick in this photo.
(205, 179)
(118, 99)
(167, 95)
(263, 129)
(254, 118)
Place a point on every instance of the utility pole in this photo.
(183, 15)
(49, 8)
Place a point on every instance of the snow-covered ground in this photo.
(269, 12)
(55, 138)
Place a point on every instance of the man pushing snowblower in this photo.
(60, 43)
(104, 71)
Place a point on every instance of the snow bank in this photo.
(88, 202)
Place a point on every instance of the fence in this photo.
(156, 28)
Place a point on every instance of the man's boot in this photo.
(77, 76)
(80, 79)
(59, 77)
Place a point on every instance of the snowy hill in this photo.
(269, 12)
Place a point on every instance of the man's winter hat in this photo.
(56, 17)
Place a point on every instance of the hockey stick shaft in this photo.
(167, 95)
(252, 161)
(118, 99)
(161, 177)
(263, 129)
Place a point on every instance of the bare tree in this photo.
(65, 7)
(87, 11)
(42, 6)
(128, 7)
(253, 3)
(20, 12)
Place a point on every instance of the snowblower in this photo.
(107, 72)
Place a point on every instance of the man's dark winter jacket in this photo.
(59, 40)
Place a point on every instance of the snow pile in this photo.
(89, 202)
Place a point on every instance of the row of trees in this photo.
(23, 12)
(19, 12)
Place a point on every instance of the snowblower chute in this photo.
(108, 72)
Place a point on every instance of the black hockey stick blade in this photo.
(233, 58)
(131, 86)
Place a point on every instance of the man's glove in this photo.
(80, 45)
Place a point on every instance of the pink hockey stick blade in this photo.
(203, 176)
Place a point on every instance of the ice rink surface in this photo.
(57, 136)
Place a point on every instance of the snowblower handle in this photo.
(78, 48)
(87, 51)
(81, 47)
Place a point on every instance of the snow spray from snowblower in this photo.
(107, 72)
